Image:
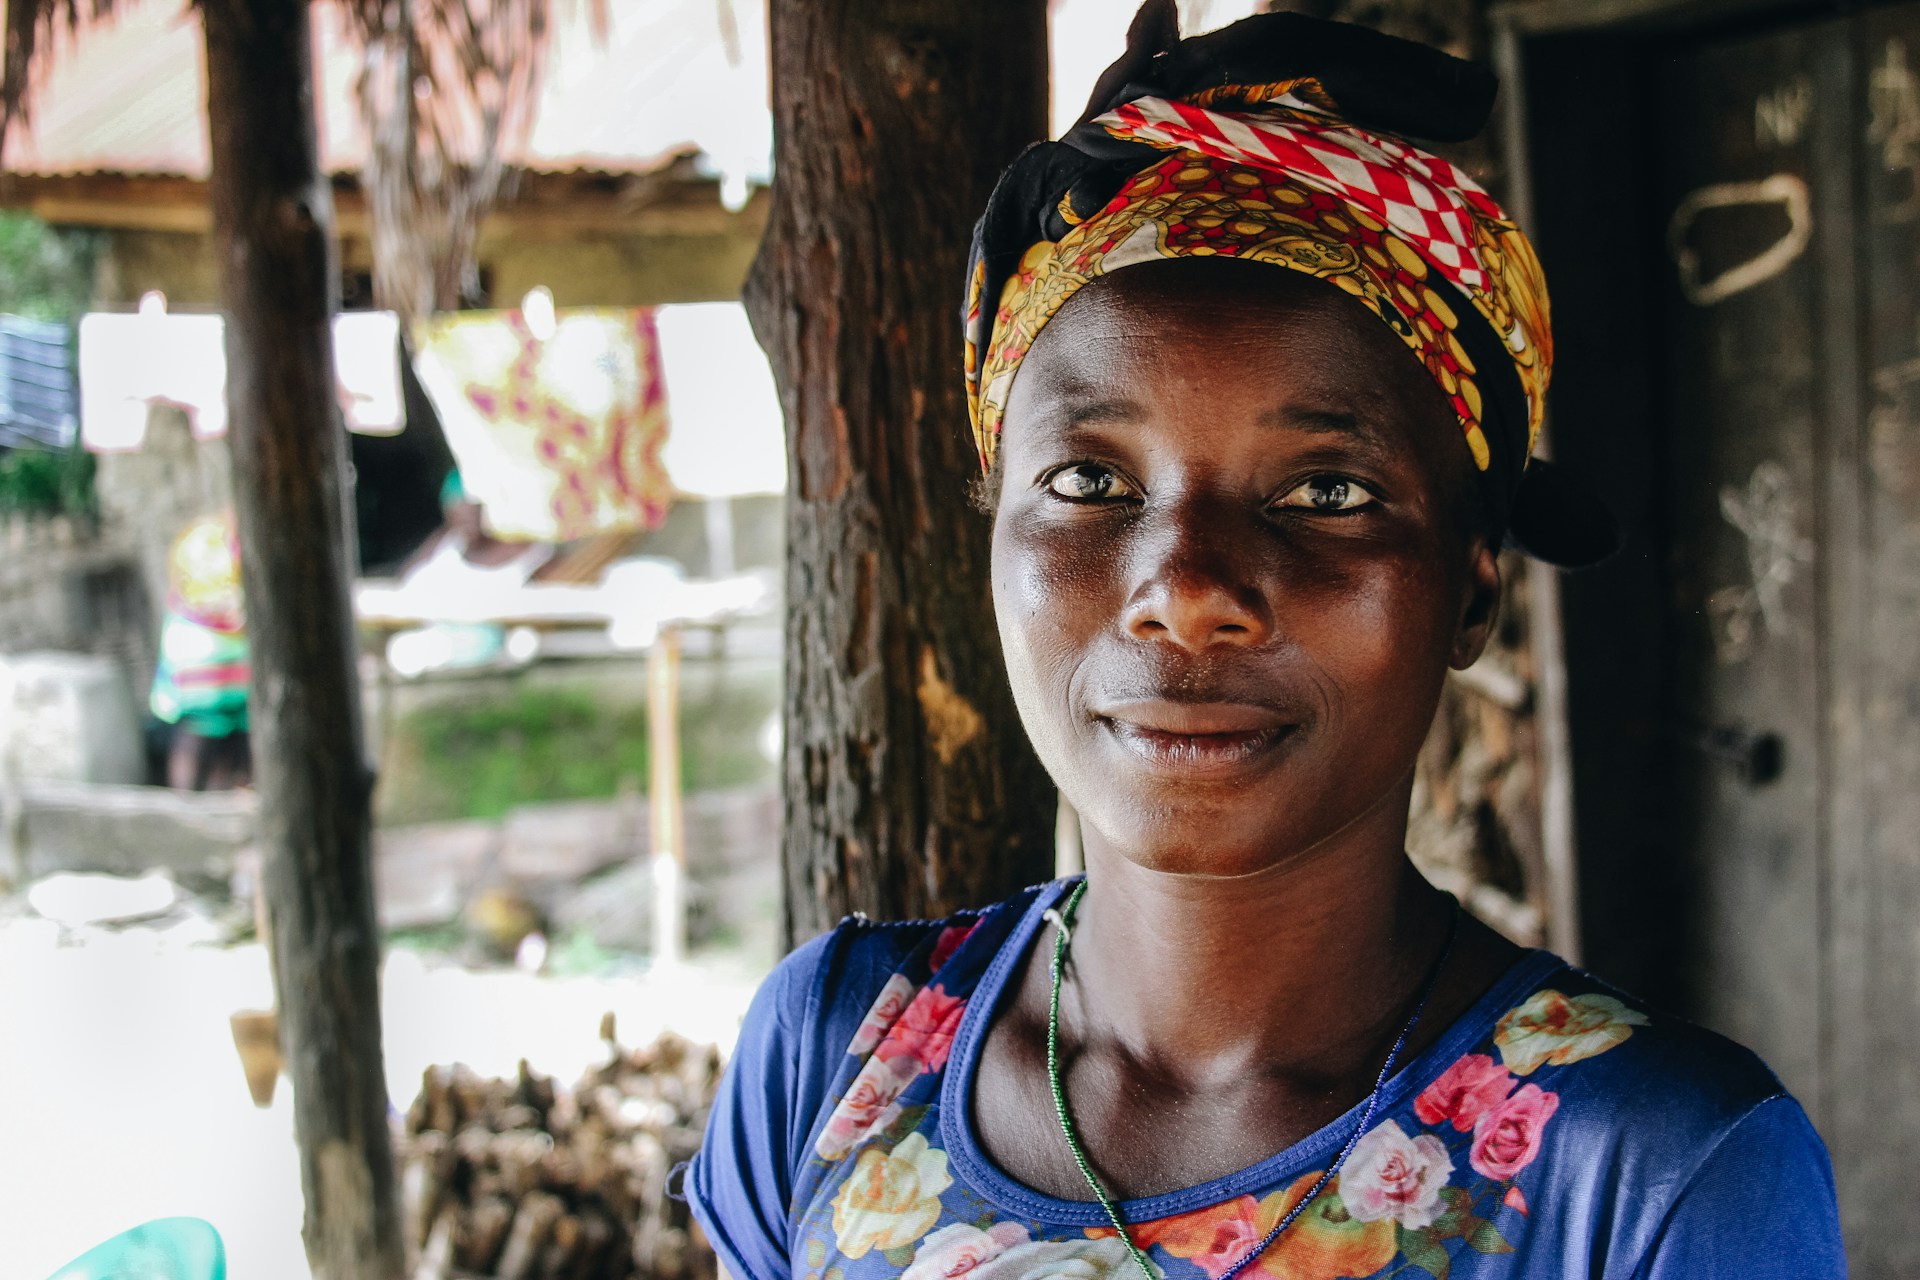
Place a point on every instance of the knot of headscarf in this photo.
(1278, 140)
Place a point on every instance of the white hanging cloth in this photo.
(129, 363)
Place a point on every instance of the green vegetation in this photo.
(482, 756)
(433, 939)
(45, 273)
(576, 954)
(47, 482)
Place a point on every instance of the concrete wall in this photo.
(147, 497)
(45, 567)
(179, 264)
(619, 271)
(100, 589)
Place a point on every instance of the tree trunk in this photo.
(271, 214)
(910, 787)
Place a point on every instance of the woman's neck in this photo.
(1299, 965)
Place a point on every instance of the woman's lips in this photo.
(1193, 739)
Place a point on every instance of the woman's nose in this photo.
(1192, 589)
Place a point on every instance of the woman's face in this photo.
(1229, 562)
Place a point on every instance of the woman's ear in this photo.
(1479, 606)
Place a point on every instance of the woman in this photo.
(1239, 538)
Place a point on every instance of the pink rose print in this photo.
(950, 940)
(1463, 1092)
(955, 1250)
(1507, 1137)
(869, 1106)
(925, 1031)
(1390, 1175)
(886, 1010)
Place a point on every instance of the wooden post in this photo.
(271, 215)
(910, 788)
(669, 831)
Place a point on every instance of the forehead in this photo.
(1224, 332)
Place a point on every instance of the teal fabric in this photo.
(200, 682)
(165, 1249)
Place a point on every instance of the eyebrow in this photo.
(1081, 408)
(1326, 421)
(1093, 412)
(1319, 421)
(1091, 409)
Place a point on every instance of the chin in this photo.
(1195, 834)
(1239, 825)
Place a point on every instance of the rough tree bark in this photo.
(271, 216)
(910, 786)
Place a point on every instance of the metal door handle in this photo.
(1760, 756)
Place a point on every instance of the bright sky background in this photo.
(1087, 35)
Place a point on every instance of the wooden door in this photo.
(1768, 770)
(1748, 171)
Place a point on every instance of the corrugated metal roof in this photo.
(127, 96)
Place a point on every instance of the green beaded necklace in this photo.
(1062, 921)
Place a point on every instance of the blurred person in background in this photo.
(199, 695)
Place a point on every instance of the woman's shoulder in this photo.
(815, 1021)
(1643, 1096)
(1554, 1062)
(1592, 1131)
(1640, 1054)
(829, 987)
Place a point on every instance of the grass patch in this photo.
(487, 754)
(432, 939)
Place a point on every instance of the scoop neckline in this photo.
(990, 1182)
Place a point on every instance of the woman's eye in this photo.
(1328, 493)
(1087, 482)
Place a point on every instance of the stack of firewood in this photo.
(520, 1180)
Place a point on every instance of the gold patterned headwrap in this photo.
(1189, 151)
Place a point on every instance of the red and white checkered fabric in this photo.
(1421, 196)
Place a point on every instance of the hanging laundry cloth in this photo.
(129, 363)
(366, 371)
(729, 439)
(557, 438)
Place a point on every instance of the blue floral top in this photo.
(1555, 1129)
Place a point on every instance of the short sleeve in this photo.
(740, 1184)
(1761, 1206)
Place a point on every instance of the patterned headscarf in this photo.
(203, 574)
(1277, 140)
